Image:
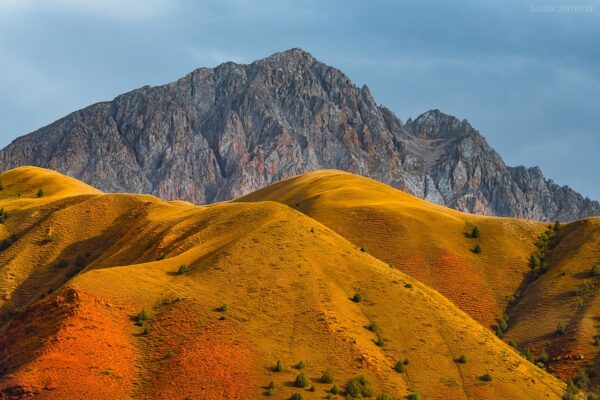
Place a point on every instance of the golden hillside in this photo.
(82, 266)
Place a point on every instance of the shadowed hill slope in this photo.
(75, 328)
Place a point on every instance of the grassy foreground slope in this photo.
(83, 265)
(427, 241)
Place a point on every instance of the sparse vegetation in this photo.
(413, 396)
(475, 232)
(334, 390)
(145, 331)
(362, 249)
(40, 193)
(141, 317)
(301, 381)
(327, 377)
(278, 367)
(62, 263)
(372, 326)
(584, 288)
(182, 269)
(80, 261)
(476, 249)
(6, 243)
(462, 359)
(359, 387)
(560, 329)
(357, 298)
(270, 389)
(312, 389)
(3, 215)
(161, 256)
(399, 367)
(408, 285)
(383, 396)
(296, 396)
(486, 378)
(595, 270)
(380, 342)
(222, 308)
(300, 365)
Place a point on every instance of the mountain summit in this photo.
(219, 133)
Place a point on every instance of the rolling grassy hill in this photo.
(127, 296)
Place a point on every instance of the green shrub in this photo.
(499, 332)
(475, 232)
(327, 377)
(300, 365)
(222, 308)
(296, 396)
(408, 285)
(372, 326)
(301, 381)
(80, 261)
(40, 193)
(399, 367)
(534, 261)
(503, 325)
(270, 392)
(145, 331)
(560, 329)
(362, 249)
(595, 270)
(584, 288)
(357, 298)
(161, 256)
(141, 317)
(380, 341)
(462, 359)
(334, 390)
(383, 396)
(486, 378)
(544, 358)
(413, 396)
(278, 367)
(359, 387)
(476, 249)
(182, 269)
(312, 389)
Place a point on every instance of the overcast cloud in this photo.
(527, 77)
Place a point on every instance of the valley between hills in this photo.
(322, 285)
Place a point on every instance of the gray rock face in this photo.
(220, 133)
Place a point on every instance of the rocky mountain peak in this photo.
(219, 133)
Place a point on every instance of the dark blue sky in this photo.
(527, 77)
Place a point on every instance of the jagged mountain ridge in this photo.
(220, 133)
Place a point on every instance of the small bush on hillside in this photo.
(544, 358)
(534, 261)
(40, 193)
(499, 332)
(327, 377)
(475, 232)
(362, 249)
(486, 378)
(383, 396)
(182, 269)
(503, 325)
(145, 331)
(462, 359)
(300, 365)
(62, 263)
(141, 317)
(595, 270)
(413, 396)
(296, 396)
(357, 298)
(48, 238)
(161, 256)
(399, 367)
(560, 329)
(312, 389)
(301, 381)
(408, 286)
(380, 342)
(359, 387)
(3, 215)
(476, 249)
(372, 326)
(278, 367)
(584, 288)
(223, 308)
(80, 261)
